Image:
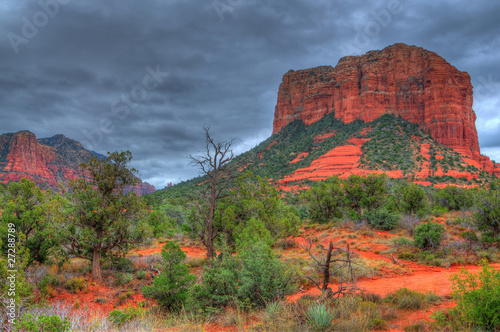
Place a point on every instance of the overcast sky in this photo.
(145, 76)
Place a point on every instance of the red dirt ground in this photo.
(367, 245)
(299, 157)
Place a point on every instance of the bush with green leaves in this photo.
(273, 309)
(367, 192)
(124, 278)
(488, 215)
(36, 216)
(382, 219)
(326, 200)
(47, 280)
(218, 288)
(255, 231)
(161, 224)
(122, 264)
(121, 316)
(428, 235)
(454, 198)
(478, 301)
(141, 274)
(319, 318)
(402, 242)
(412, 198)
(29, 323)
(255, 200)
(76, 284)
(171, 287)
(406, 299)
(251, 279)
(24, 290)
(263, 276)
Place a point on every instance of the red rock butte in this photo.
(46, 161)
(407, 81)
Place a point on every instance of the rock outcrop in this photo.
(46, 161)
(407, 81)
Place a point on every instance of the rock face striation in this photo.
(407, 81)
(46, 161)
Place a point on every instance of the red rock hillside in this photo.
(46, 161)
(408, 81)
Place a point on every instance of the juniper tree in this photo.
(103, 219)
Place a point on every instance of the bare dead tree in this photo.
(214, 163)
(330, 262)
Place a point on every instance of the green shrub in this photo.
(123, 264)
(378, 324)
(428, 235)
(251, 279)
(75, 284)
(453, 198)
(402, 242)
(196, 262)
(488, 215)
(413, 198)
(419, 327)
(54, 323)
(370, 297)
(382, 219)
(264, 277)
(171, 287)
(409, 256)
(124, 278)
(478, 300)
(121, 316)
(326, 200)
(141, 274)
(218, 288)
(43, 285)
(470, 236)
(273, 309)
(319, 318)
(407, 299)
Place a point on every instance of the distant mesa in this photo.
(407, 81)
(46, 161)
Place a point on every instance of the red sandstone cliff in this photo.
(408, 81)
(47, 161)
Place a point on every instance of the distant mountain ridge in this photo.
(46, 161)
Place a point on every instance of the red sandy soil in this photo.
(416, 317)
(337, 161)
(84, 300)
(425, 172)
(299, 157)
(341, 160)
(421, 278)
(269, 146)
(295, 188)
(94, 290)
(358, 141)
(191, 252)
(321, 138)
(413, 276)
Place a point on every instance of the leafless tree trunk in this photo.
(214, 163)
(329, 262)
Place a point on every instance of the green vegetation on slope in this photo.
(394, 144)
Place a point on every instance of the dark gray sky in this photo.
(145, 76)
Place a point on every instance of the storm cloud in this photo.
(145, 76)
